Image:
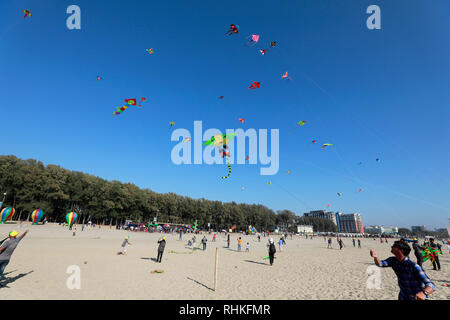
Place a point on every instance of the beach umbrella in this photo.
(6, 214)
(37, 215)
(71, 217)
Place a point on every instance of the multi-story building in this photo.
(321, 214)
(381, 230)
(349, 223)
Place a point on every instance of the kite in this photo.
(301, 123)
(229, 170)
(71, 217)
(285, 75)
(247, 158)
(254, 85)
(242, 188)
(288, 172)
(131, 102)
(326, 145)
(221, 97)
(241, 120)
(233, 227)
(360, 190)
(119, 110)
(6, 214)
(219, 139)
(339, 194)
(150, 51)
(142, 100)
(233, 29)
(254, 38)
(99, 78)
(329, 205)
(37, 215)
(377, 160)
(263, 51)
(314, 141)
(273, 44)
(430, 254)
(27, 13)
(172, 124)
(269, 183)
(252, 229)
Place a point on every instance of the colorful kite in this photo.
(288, 172)
(273, 44)
(195, 225)
(99, 78)
(252, 230)
(269, 183)
(430, 254)
(119, 110)
(171, 123)
(221, 97)
(360, 190)
(229, 170)
(242, 188)
(241, 120)
(314, 141)
(6, 214)
(326, 145)
(150, 51)
(254, 38)
(71, 217)
(27, 13)
(37, 215)
(263, 52)
(339, 194)
(219, 139)
(254, 85)
(233, 29)
(131, 102)
(301, 123)
(247, 158)
(142, 100)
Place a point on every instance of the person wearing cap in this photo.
(123, 249)
(162, 245)
(418, 252)
(7, 248)
(413, 282)
(272, 250)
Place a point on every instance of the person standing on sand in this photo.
(414, 284)
(354, 244)
(7, 248)
(162, 245)
(436, 259)
(204, 240)
(239, 244)
(359, 243)
(280, 244)
(228, 241)
(272, 251)
(123, 249)
(418, 252)
(329, 244)
(341, 244)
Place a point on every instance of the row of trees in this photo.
(439, 233)
(31, 185)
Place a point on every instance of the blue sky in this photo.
(373, 93)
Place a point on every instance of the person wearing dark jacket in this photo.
(418, 252)
(272, 251)
(436, 259)
(162, 245)
(204, 240)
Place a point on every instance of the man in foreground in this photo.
(7, 248)
(413, 282)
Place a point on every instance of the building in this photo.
(381, 230)
(349, 223)
(418, 229)
(321, 214)
(304, 229)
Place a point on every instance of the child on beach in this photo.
(239, 244)
(123, 249)
(280, 244)
(247, 247)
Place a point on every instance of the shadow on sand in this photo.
(251, 261)
(7, 281)
(200, 284)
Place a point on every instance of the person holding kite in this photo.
(161, 247)
(123, 248)
(7, 248)
(413, 282)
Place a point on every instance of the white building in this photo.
(381, 230)
(304, 229)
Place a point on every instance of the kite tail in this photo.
(229, 170)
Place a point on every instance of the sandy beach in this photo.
(304, 270)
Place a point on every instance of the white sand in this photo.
(305, 269)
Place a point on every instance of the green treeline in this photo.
(31, 185)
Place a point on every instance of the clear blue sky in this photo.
(373, 93)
